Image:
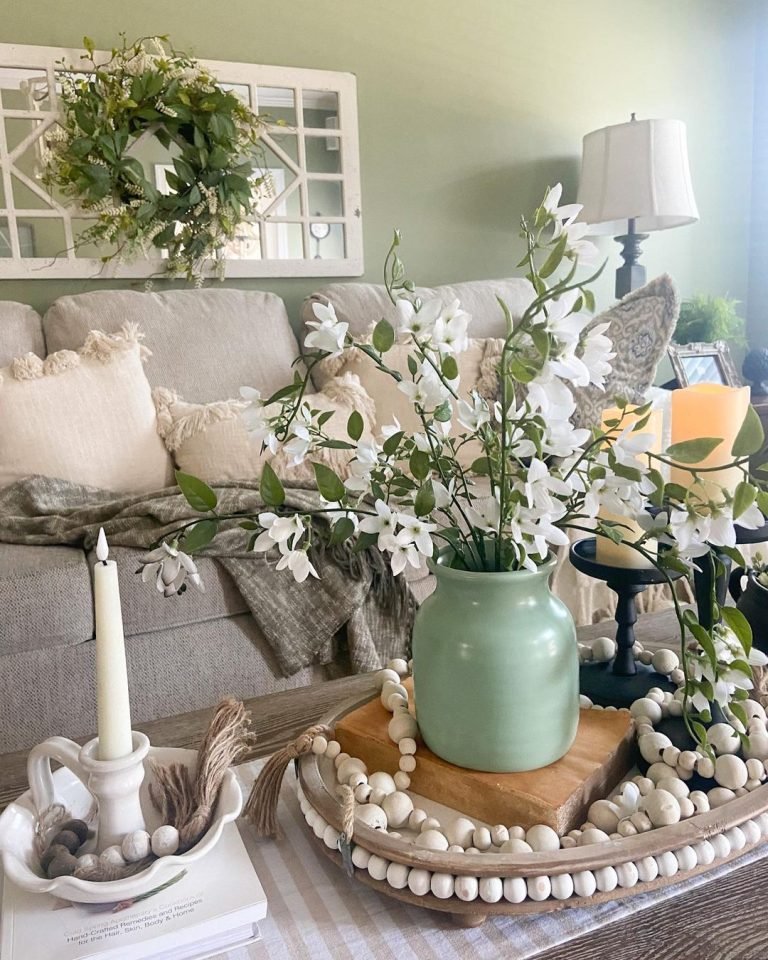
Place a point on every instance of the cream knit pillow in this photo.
(210, 441)
(84, 416)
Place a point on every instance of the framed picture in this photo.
(703, 363)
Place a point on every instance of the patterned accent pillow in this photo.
(641, 326)
(210, 440)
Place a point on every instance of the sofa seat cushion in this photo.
(45, 598)
(145, 610)
(205, 344)
(21, 331)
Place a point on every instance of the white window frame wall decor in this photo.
(297, 84)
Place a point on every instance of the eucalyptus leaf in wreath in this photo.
(146, 89)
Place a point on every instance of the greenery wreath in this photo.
(147, 88)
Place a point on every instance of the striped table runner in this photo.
(317, 912)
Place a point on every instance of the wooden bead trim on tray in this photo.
(649, 830)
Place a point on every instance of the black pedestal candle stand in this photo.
(622, 680)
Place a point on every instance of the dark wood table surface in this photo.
(726, 920)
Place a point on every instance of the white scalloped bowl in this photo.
(17, 826)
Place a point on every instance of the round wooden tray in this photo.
(317, 794)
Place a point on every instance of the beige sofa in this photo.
(183, 653)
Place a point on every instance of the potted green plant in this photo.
(704, 319)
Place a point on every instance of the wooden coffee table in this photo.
(720, 919)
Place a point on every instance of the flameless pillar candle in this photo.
(113, 705)
(618, 554)
(709, 410)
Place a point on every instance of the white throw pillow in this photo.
(210, 440)
(85, 416)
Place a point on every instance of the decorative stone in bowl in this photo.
(17, 835)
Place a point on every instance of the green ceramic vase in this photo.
(496, 670)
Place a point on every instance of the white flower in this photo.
(443, 494)
(329, 333)
(449, 334)
(403, 551)
(365, 460)
(297, 562)
(473, 416)
(629, 445)
(418, 323)
(428, 391)
(280, 530)
(170, 568)
(390, 429)
(419, 531)
(577, 247)
(485, 514)
(383, 524)
(256, 417)
(299, 445)
(539, 485)
(597, 352)
(566, 213)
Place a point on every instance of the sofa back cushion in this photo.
(205, 344)
(86, 417)
(361, 304)
(21, 331)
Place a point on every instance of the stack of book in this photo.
(213, 905)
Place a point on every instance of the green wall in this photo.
(469, 109)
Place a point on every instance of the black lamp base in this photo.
(608, 689)
(630, 274)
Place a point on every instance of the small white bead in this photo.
(331, 837)
(646, 657)
(735, 836)
(397, 875)
(398, 806)
(515, 846)
(417, 817)
(346, 768)
(677, 677)
(431, 840)
(499, 834)
(686, 858)
(730, 771)
(516, 833)
(442, 885)
(466, 888)
(399, 666)
(377, 868)
(357, 779)
(396, 701)
(627, 875)
(762, 822)
(481, 839)
(705, 853)
(643, 784)
(319, 745)
(333, 749)
(665, 661)
(407, 763)
(603, 648)
(491, 889)
(407, 745)
(88, 860)
(705, 767)
(718, 796)
(363, 793)
(419, 882)
(606, 879)
(720, 845)
(656, 694)
(647, 869)
(541, 837)
(751, 831)
(515, 890)
(755, 769)
(360, 856)
(165, 841)
(584, 702)
(460, 832)
(687, 760)
(567, 843)
(670, 755)
(382, 781)
(700, 801)
(539, 888)
(455, 848)
(402, 725)
(136, 846)
(114, 854)
(402, 780)
(562, 886)
(592, 836)
(667, 864)
(384, 676)
(687, 809)
(584, 883)
(339, 759)
(430, 823)
(319, 827)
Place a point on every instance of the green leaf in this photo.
(341, 530)
(750, 437)
(365, 541)
(197, 494)
(424, 503)
(283, 393)
(337, 445)
(740, 626)
(392, 443)
(693, 451)
(449, 367)
(589, 299)
(734, 553)
(555, 258)
(743, 497)
(329, 485)
(541, 340)
(195, 538)
(762, 501)
(324, 418)
(656, 478)
(419, 464)
(444, 412)
(481, 466)
(413, 367)
(355, 425)
(383, 336)
(270, 488)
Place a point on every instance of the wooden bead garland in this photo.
(636, 805)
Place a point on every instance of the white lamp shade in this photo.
(637, 170)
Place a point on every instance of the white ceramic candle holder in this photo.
(114, 784)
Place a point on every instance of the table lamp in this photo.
(636, 175)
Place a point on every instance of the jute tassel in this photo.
(261, 807)
(189, 805)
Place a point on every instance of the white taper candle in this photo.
(112, 700)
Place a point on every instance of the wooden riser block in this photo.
(558, 795)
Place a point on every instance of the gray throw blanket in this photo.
(300, 621)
